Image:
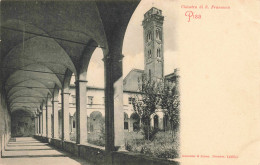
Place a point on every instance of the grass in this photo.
(164, 144)
(96, 138)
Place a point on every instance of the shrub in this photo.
(149, 132)
(162, 146)
(96, 138)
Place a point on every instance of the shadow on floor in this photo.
(21, 151)
(28, 149)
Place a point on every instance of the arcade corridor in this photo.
(26, 150)
(44, 43)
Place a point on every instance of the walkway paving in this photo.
(27, 151)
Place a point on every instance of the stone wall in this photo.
(5, 122)
(98, 156)
(22, 124)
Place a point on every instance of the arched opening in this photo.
(22, 124)
(60, 123)
(96, 121)
(156, 121)
(96, 128)
(95, 99)
(134, 122)
(72, 121)
(166, 123)
(126, 122)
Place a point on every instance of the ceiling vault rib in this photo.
(31, 96)
(29, 87)
(24, 107)
(46, 36)
(31, 70)
(26, 102)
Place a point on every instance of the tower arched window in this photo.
(149, 36)
(158, 52)
(149, 53)
(158, 34)
(150, 75)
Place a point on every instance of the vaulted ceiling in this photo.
(41, 40)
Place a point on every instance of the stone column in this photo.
(48, 120)
(41, 124)
(35, 125)
(114, 114)
(81, 112)
(39, 130)
(44, 119)
(55, 112)
(38, 124)
(129, 124)
(65, 116)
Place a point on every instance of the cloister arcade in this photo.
(42, 44)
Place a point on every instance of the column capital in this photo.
(108, 58)
(65, 93)
(79, 81)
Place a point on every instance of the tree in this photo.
(145, 102)
(170, 102)
(157, 94)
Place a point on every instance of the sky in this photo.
(133, 47)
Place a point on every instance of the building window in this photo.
(158, 52)
(90, 100)
(74, 124)
(130, 100)
(125, 125)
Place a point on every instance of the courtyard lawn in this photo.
(164, 144)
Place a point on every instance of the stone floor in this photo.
(27, 151)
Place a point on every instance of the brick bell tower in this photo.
(153, 44)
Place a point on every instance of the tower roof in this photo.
(153, 14)
(153, 10)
